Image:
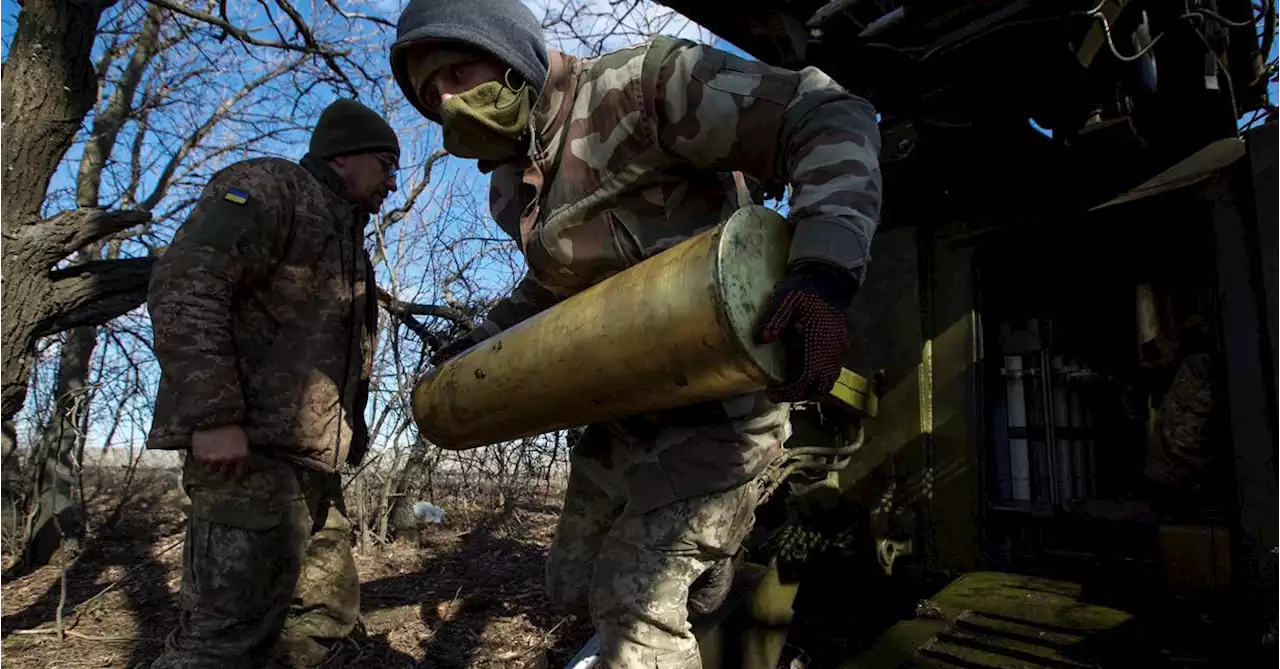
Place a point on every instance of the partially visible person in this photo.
(1185, 445)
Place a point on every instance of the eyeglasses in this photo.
(388, 163)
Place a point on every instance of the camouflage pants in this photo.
(630, 567)
(268, 574)
(1182, 445)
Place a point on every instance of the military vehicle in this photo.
(1072, 214)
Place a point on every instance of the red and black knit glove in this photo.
(808, 316)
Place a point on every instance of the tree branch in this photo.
(403, 210)
(366, 17)
(51, 240)
(240, 33)
(166, 175)
(405, 312)
(95, 292)
(108, 123)
(310, 39)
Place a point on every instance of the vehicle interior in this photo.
(1073, 285)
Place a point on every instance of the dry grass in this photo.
(470, 596)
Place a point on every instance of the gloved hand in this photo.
(808, 316)
(453, 348)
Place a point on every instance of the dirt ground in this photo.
(470, 596)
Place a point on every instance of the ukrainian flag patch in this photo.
(236, 195)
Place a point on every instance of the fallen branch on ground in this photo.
(83, 607)
(87, 637)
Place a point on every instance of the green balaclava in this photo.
(346, 126)
(487, 122)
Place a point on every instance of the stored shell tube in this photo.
(674, 330)
(1019, 459)
(1061, 416)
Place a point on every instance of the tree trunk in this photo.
(408, 487)
(49, 85)
(24, 289)
(58, 463)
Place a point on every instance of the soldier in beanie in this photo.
(598, 164)
(264, 309)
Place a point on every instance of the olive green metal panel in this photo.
(886, 335)
(897, 645)
(953, 474)
(992, 619)
(1029, 599)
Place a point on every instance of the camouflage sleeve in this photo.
(232, 237)
(529, 297)
(718, 111)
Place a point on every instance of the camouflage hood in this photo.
(504, 28)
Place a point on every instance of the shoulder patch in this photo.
(236, 195)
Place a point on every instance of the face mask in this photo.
(487, 122)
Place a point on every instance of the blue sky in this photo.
(285, 112)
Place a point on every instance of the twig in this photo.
(83, 606)
(87, 637)
(126, 574)
(62, 579)
(555, 627)
(311, 42)
(241, 34)
(351, 16)
(546, 643)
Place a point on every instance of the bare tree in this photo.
(50, 85)
(592, 27)
(157, 109)
(152, 97)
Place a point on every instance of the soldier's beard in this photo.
(487, 122)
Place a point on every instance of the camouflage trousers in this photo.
(630, 566)
(268, 575)
(1182, 444)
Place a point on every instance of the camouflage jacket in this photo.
(264, 313)
(634, 152)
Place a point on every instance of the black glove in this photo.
(453, 348)
(808, 316)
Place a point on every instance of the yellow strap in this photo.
(855, 391)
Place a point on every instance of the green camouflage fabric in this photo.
(632, 571)
(634, 152)
(268, 577)
(264, 315)
(1183, 444)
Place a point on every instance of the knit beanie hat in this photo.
(507, 29)
(346, 126)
